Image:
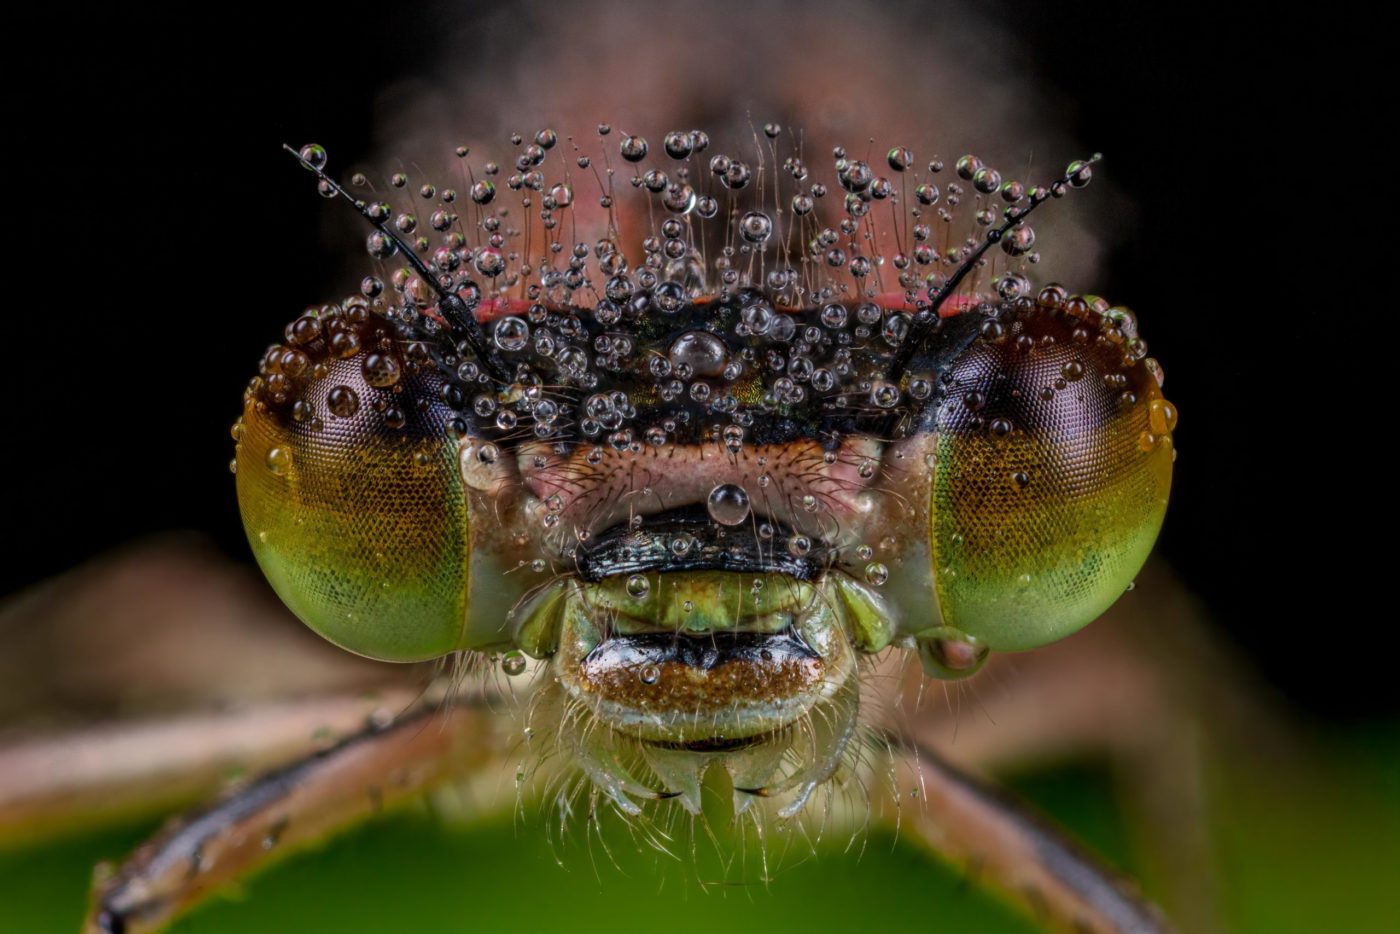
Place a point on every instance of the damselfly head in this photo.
(702, 425)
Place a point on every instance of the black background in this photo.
(157, 238)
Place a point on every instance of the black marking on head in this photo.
(701, 652)
(711, 547)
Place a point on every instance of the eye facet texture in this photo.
(1053, 465)
(350, 494)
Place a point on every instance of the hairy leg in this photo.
(294, 807)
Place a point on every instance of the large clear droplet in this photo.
(702, 351)
(512, 334)
(728, 504)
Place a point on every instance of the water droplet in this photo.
(876, 573)
(278, 460)
(758, 317)
(380, 245)
(512, 334)
(633, 148)
(968, 166)
(313, 155)
(483, 192)
(986, 180)
(855, 177)
(380, 370)
(833, 316)
(736, 177)
(638, 586)
(884, 394)
(678, 144)
(513, 663)
(900, 158)
(728, 504)
(702, 351)
(1018, 240)
(756, 227)
(1161, 416)
(490, 262)
(650, 674)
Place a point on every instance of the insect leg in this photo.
(290, 808)
(1009, 848)
(1146, 691)
(82, 777)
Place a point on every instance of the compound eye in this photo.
(1052, 471)
(349, 489)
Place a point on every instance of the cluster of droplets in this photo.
(762, 240)
(713, 305)
(713, 222)
(381, 363)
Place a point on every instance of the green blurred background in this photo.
(1297, 854)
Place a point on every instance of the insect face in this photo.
(702, 490)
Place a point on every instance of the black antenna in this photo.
(459, 317)
(919, 334)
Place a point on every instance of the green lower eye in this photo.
(356, 512)
(1053, 467)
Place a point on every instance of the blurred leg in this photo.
(75, 779)
(1146, 691)
(294, 807)
(1006, 847)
